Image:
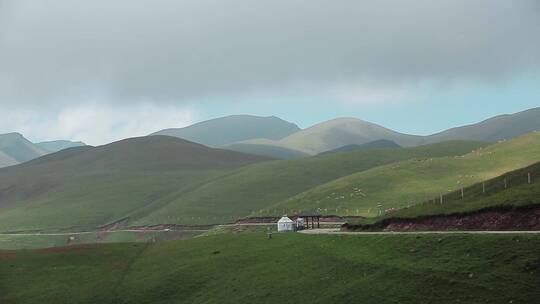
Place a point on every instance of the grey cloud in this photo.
(173, 50)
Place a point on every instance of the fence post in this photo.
(529, 177)
(484, 188)
(441, 199)
(462, 193)
(505, 183)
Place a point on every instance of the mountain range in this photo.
(336, 133)
(291, 142)
(231, 129)
(276, 138)
(159, 179)
(15, 149)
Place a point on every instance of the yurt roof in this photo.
(285, 220)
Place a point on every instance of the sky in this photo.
(100, 71)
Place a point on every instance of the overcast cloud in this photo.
(61, 53)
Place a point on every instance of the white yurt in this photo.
(285, 224)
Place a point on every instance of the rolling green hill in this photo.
(336, 133)
(377, 144)
(290, 268)
(85, 187)
(258, 186)
(266, 150)
(413, 181)
(158, 179)
(230, 129)
(488, 194)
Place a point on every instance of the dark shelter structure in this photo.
(313, 216)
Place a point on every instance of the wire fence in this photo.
(520, 177)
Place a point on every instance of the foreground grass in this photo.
(243, 268)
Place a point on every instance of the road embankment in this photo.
(500, 218)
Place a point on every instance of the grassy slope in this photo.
(290, 268)
(518, 193)
(272, 151)
(81, 188)
(414, 181)
(378, 144)
(258, 186)
(332, 134)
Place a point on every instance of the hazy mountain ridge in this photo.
(15, 147)
(275, 138)
(339, 132)
(57, 145)
(231, 129)
(501, 127)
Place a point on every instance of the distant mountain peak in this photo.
(233, 128)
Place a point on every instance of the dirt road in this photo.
(338, 232)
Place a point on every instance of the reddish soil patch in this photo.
(69, 248)
(7, 254)
(160, 227)
(497, 218)
(114, 225)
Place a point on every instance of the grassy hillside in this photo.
(290, 268)
(413, 181)
(258, 186)
(272, 151)
(153, 180)
(336, 133)
(518, 193)
(231, 129)
(81, 188)
(377, 144)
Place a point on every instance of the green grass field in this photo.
(22, 241)
(290, 268)
(411, 182)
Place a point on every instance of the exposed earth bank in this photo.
(495, 218)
